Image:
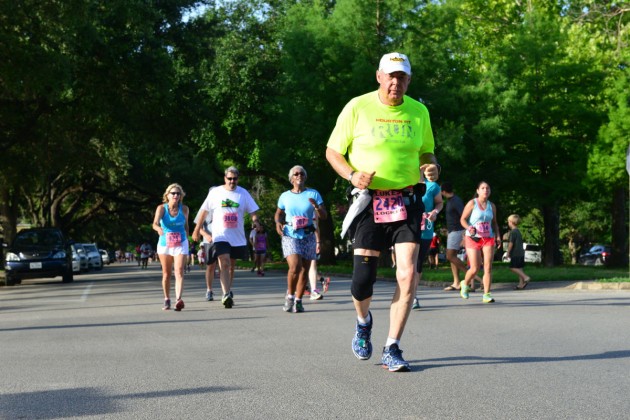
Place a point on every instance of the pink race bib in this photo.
(388, 207)
(230, 220)
(300, 222)
(173, 239)
(483, 229)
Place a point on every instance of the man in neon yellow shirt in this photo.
(382, 143)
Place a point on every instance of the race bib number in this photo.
(230, 220)
(300, 222)
(173, 239)
(388, 207)
(483, 229)
(426, 223)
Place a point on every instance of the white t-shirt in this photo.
(228, 209)
(207, 223)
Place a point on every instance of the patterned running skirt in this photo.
(306, 247)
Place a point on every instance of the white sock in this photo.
(391, 341)
(291, 296)
(365, 321)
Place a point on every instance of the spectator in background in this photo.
(260, 249)
(145, 253)
(434, 250)
(516, 253)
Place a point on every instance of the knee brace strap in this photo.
(363, 277)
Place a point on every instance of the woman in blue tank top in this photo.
(482, 234)
(171, 223)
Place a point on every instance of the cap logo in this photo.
(397, 59)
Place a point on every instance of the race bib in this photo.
(230, 220)
(426, 223)
(300, 222)
(173, 239)
(483, 229)
(388, 207)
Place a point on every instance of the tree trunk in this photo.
(551, 250)
(8, 214)
(619, 257)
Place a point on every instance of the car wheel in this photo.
(10, 280)
(68, 277)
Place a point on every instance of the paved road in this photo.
(102, 348)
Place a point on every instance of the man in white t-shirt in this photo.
(228, 205)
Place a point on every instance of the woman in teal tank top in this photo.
(171, 223)
(480, 221)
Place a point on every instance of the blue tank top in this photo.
(481, 219)
(170, 223)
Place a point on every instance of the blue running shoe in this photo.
(361, 344)
(392, 359)
(209, 296)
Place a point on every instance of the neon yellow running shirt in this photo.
(385, 139)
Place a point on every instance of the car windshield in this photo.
(90, 248)
(529, 247)
(40, 239)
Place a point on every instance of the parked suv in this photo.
(38, 253)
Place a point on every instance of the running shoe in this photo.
(227, 300)
(487, 298)
(288, 304)
(179, 305)
(209, 295)
(416, 304)
(167, 305)
(464, 290)
(316, 295)
(361, 344)
(298, 307)
(392, 359)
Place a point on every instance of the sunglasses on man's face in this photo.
(298, 174)
(235, 178)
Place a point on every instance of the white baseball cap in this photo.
(394, 62)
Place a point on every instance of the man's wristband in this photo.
(350, 176)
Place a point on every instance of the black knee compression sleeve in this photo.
(363, 277)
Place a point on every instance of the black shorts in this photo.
(517, 262)
(236, 252)
(210, 253)
(365, 233)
